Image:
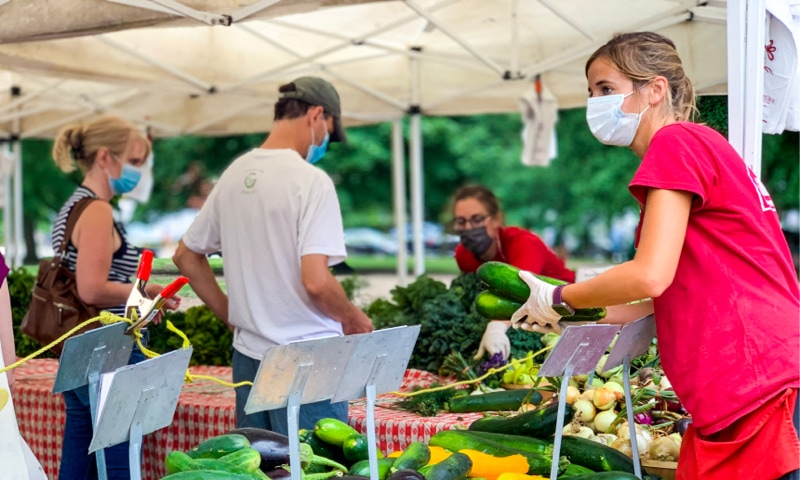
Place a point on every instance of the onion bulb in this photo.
(604, 399)
(587, 394)
(583, 432)
(664, 449)
(584, 410)
(606, 438)
(643, 437)
(614, 387)
(572, 394)
(603, 421)
(622, 445)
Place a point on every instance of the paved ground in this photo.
(377, 285)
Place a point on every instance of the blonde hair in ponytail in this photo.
(78, 144)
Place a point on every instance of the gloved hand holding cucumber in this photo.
(532, 302)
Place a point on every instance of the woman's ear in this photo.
(103, 157)
(658, 90)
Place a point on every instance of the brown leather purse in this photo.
(55, 306)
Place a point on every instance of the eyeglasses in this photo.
(460, 223)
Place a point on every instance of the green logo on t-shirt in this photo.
(250, 181)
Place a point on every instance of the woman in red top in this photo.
(478, 220)
(711, 256)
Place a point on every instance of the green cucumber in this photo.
(503, 281)
(219, 465)
(333, 431)
(595, 456)
(414, 457)
(494, 307)
(362, 468)
(356, 448)
(321, 448)
(519, 442)
(576, 470)
(455, 440)
(539, 423)
(177, 461)
(454, 467)
(219, 446)
(493, 401)
(247, 458)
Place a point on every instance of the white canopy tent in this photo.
(388, 60)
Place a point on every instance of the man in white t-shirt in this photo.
(276, 219)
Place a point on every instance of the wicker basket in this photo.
(665, 470)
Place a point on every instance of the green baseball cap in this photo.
(317, 91)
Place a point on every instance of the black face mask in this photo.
(476, 240)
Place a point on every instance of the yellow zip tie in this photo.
(489, 373)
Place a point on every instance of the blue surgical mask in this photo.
(316, 152)
(609, 123)
(127, 180)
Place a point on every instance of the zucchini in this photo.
(595, 456)
(454, 467)
(333, 431)
(362, 468)
(207, 475)
(575, 470)
(219, 446)
(414, 457)
(503, 280)
(455, 440)
(493, 401)
(177, 461)
(606, 476)
(539, 423)
(494, 307)
(218, 465)
(519, 442)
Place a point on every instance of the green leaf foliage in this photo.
(210, 338)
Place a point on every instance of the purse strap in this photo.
(74, 215)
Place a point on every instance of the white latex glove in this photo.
(538, 309)
(494, 340)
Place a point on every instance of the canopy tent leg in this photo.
(746, 32)
(19, 240)
(415, 158)
(399, 191)
(7, 168)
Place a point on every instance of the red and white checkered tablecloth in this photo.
(204, 409)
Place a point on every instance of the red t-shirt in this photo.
(523, 250)
(729, 324)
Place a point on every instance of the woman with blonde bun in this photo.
(110, 152)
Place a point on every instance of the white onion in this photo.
(604, 399)
(603, 420)
(584, 410)
(573, 394)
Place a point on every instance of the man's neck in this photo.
(285, 135)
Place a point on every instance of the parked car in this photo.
(434, 237)
(369, 241)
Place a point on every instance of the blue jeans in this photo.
(76, 463)
(245, 369)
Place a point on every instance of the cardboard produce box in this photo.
(664, 470)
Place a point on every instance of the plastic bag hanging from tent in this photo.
(539, 114)
(782, 67)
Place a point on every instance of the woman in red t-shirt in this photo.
(478, 221)
(711, 256)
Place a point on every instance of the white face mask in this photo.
(609, 123)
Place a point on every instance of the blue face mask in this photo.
(127, 180)
(316, 152)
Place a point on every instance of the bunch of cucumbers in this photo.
(506, 293)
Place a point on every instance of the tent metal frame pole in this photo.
(22, 99)
(344, 44)
(191, 80)
(8, 220)
(513, 60)
(580, 51)
(245, 12)
(19, 240)
(176, 8)
(415, 158)
(491, 64)
(754, 83)
(399, 193)
(563, 16)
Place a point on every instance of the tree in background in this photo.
(585, 185)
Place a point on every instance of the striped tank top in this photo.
(125, 259)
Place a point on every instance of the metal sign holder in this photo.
(576, 353)
(136, 400)
(350, 366)
(634, 340)
(87, 356)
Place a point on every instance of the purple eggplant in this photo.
(273, 447)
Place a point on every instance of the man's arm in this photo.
(202, 280)
(329, 297)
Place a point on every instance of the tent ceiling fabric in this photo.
(448, 57)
